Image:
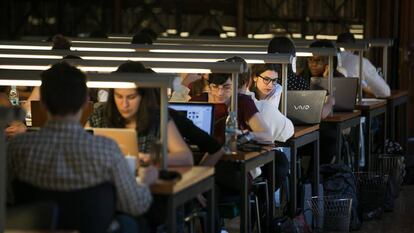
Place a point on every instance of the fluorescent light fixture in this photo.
(25, 47)
(223, 35)
(296, 35)
(95, 84)
(326, 37)
(357, 26)
(231, 34)
(99, 42)
(356, 31)
(164, 34)
(22, 67)
(172, 31)
(30, 56)
(228, 28)
(99, 69)
(303, 54)
(359, 36)
(93, 49)
(150, 59)
(309, 37)
(342, 49)
(120, 37)
(203, 51)
(184, 34)
(254, 61)
(263, 36)
(250, 36)
(181, 70)
(29, 83)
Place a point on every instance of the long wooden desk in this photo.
(194, 180)
(303, 135)
(370, 109)
(247, 161)
(338, 122)
(398, 100)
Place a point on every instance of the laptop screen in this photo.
(201, 114)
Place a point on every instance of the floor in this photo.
(401, 220)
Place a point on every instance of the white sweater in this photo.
(280, 126)
(370, 77)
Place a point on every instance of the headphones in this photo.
(294, 64)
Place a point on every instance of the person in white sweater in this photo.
(372, 83)
(265, 93)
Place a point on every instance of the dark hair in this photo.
(149, 32)
(209, 32)
(345, 37)
(141, 38)
(281, 45)
(63, 90)
(218, 78)
(148, 107)
(71, 57)
(60, 42)
(243, 77)
(325, 44)
(260, 68)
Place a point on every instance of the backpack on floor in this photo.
(338, 180)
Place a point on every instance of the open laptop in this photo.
(125, 138)
(345, 91)
(305, 107)
(39, 113)
(201, 114)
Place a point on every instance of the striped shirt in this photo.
(62, 156)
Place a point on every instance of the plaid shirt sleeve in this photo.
(132, 198)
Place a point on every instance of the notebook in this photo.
(345, 91)
(305, 107)
(125, 138)
(201, 114)
(39, 113)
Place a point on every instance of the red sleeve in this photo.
(246, 110)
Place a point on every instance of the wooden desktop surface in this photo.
(342, 116)
(243, 156)
(301, 130)
(395, 94)
(370, 105)
(189, 177)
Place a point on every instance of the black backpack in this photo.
(338, 180)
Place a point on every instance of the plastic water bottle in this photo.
(14, 96)
(230, 145)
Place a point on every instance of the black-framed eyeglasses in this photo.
(267, 80)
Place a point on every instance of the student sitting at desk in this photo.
(294, 81)
(62, 156)
(248, 116)
(265, 93)
(372, 83)
(138, 108)
(15, 127)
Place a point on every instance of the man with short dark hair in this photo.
(62, 156)
(372, 82)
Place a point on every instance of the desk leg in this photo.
(172, 216)
(271, 194)
(244, 202)
(210, 208)
(357, 149)
(293, 179)
(368, 142)
(404, 139)
(391, 120)
(339, 158)
(315, 189)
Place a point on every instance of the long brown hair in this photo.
(148, 111)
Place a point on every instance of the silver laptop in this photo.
(345, 91)
(305, 107)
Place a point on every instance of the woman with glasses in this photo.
(265, 93)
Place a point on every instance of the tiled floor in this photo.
(399, 221)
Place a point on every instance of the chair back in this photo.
(86, 210)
